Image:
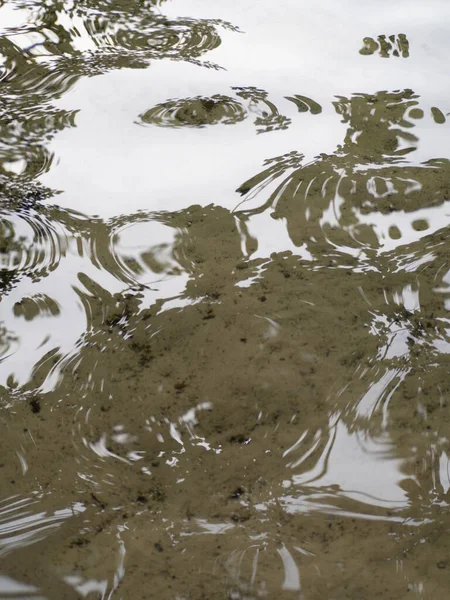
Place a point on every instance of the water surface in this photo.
(225, 295)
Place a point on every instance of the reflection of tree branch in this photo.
(367, 174)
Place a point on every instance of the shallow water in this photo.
(225, 295)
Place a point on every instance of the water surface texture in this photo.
(225, 300)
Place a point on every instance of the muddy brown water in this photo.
(224, 300)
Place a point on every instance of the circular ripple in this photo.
(195, 112)
(141, 252)
(30, 244)
(178, 38)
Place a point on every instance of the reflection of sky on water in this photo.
(108, 163)
(353, 466)
(317, 45)
(15, 589)
(202, 165)
(21, 522)
(120, 164)
(146, 246)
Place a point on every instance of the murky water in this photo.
(225, 296)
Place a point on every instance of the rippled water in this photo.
(225, 296)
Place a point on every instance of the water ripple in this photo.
(195, 112)
(21, 525)
(32, 244)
